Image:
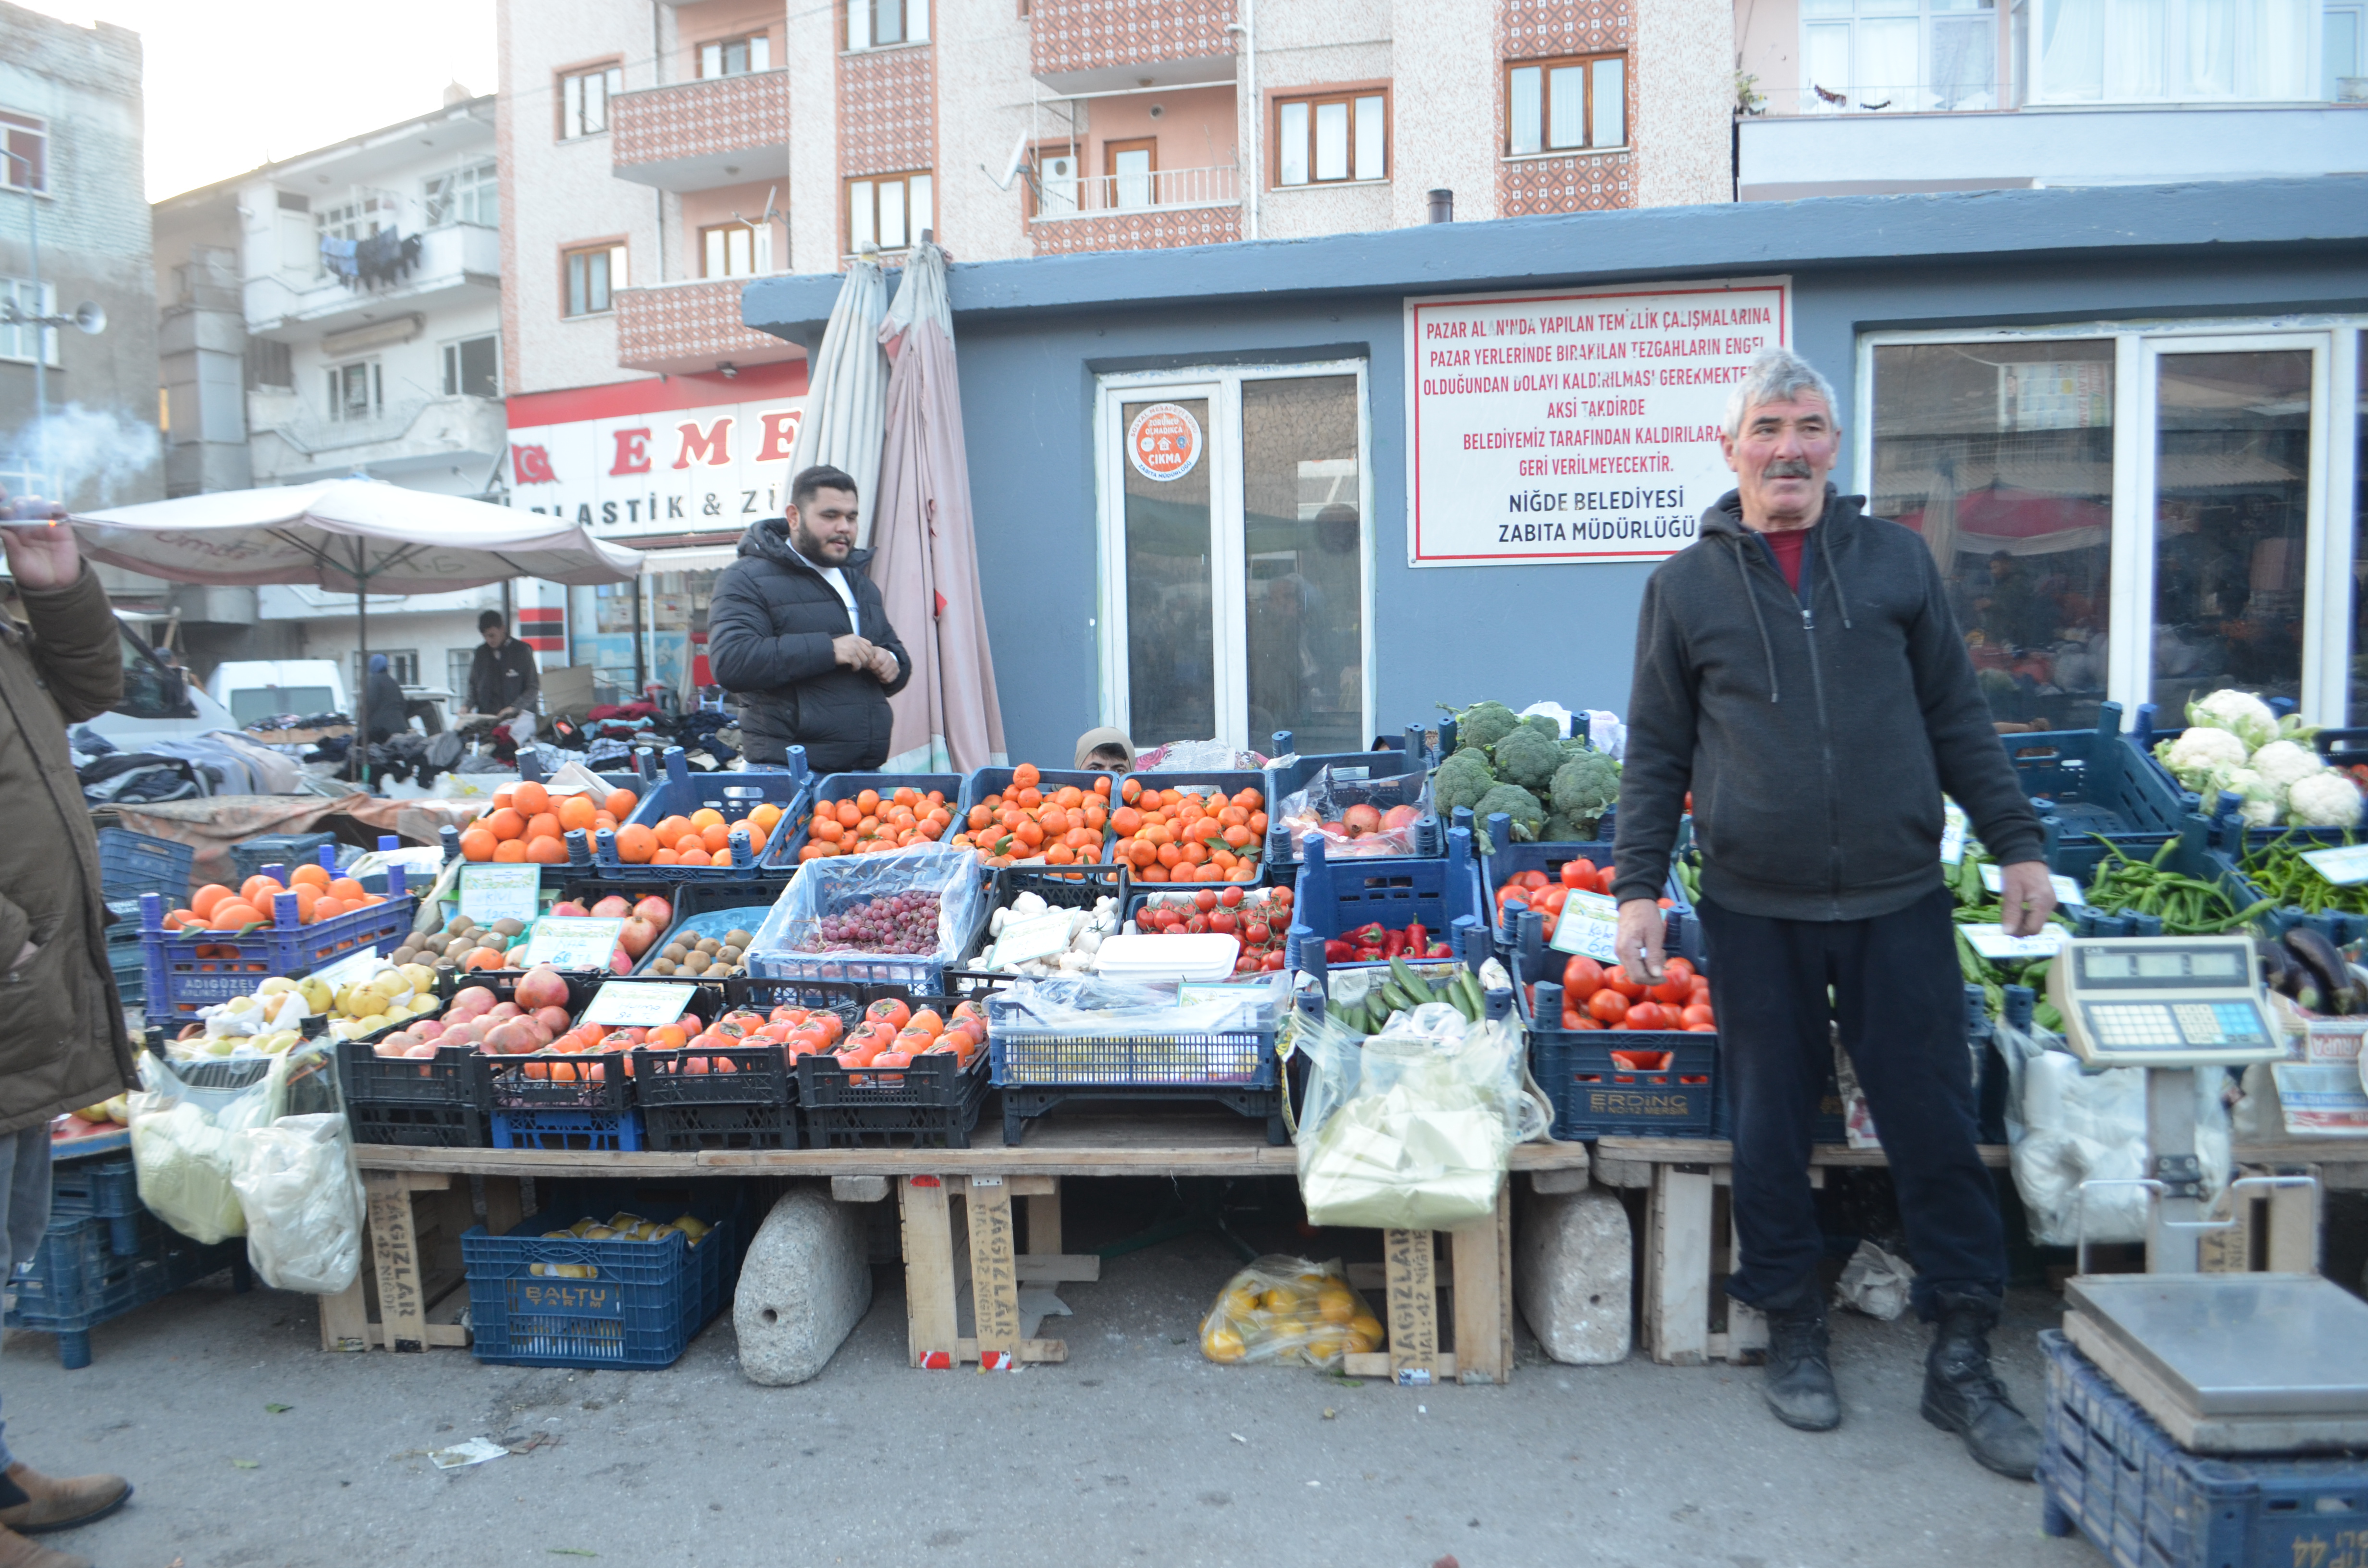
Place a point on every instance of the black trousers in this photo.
(1900, 1002)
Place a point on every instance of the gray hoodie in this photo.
(1816, 731)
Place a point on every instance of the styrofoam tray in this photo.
(1201, 958)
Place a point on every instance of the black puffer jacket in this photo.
(769, 626)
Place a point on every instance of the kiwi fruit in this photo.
(737, 937)
(661, 965)
(710, 946)
(676, 951)
(727, 954)
(698, 964)
(509, 925)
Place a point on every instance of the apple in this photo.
(637, 936)
(612, 907)
(656, 910)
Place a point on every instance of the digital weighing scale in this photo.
(2227, 1363)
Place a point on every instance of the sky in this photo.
(234, 84)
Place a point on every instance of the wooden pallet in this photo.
(958, 1227)
(413, 1287)
(1474, 1297)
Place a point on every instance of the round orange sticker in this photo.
(1164, 442)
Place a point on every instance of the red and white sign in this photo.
(1164, 442)
(1575, 426)
(664, 455)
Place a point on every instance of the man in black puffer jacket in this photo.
(795, 628)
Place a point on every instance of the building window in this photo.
(584, 100)
(736, 250)
(1344, 136)
(2168, 51)
(351, 221)
(594, 273)
(736, 56)
(27, 140)
(1130, 168)
(403, 664)
(1899, 55)
(889, 210)
(875, 24)
(268, 364)
(1054, 188)
(472, 367)
(17, 342)
(354, 391)
(473, 195)
(2341, 36)
(1567, 106)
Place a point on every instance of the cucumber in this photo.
(1410, 983)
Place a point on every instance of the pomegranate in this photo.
(542, 986)
(552, 1019)
(512, 1037)
(1397, 818)
(570, 907)
(656, 910)
(429, 1029)
(613, 907)
(637, 936)
(1361, 819)
(620, 961)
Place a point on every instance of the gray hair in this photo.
(1777, 375)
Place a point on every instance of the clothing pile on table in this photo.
(219, 763)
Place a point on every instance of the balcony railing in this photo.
(690, 327)
(1154, 190)
(698, 135)
(458, 256)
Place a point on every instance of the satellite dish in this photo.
(1018, 161)
(90, 317)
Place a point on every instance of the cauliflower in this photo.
(1527, 758)
(1484, 724)
(1585, 787)
(2242, 784)
(1461, 780)
(2193, 755)
(2283, 764)
(2324, 798)
(2240, 713)
(1529, 816)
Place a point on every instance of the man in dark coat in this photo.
(796, 629)
(386, 713)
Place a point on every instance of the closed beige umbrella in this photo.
(926, 554)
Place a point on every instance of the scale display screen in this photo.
(2163, 1000)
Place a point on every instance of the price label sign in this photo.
(2067, 890)
(572, 942)
(2343, 865)
(1589, 926)
(495, 892)
(1952, 832)
(1992, 942)
(630, 1004)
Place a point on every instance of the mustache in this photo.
(1787, 468)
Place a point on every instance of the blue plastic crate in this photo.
(981, 782)
(783, 856)
(1063, 887)
(1188, 782)
(580, 1132)
(181, 980)
(1381, 778)
(638, 780)
(1682, 933)
(128, 962)
(79, 1277)
(133, 863)
(681, 792)
(640, 1308)
(100, 1188)
(283, 849)
(2108, 1471)
(1333, 896)
(1595, 1096)
(2191, 855)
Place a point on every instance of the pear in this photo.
(275, 986)
(317, 994)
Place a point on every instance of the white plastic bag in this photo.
(303, 1202)
(805, 922)
(184, 1133)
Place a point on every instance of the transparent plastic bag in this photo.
(303, 1198)
(827, 889)
(1384, 809)
(2065, 1125)
(1414, 1128)
(1289, 1310)
(184, 1139)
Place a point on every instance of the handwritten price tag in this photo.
(2343, 865)
(1589, 926)
(2067, 890)
(629, 1003)
(494, 893)
(573, 941)
(1992, 942)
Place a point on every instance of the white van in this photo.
(255, 689)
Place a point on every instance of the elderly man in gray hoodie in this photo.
(1798, 670)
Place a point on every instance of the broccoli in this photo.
(1561, 829)
(1527, 758)
(1484, 724)
(1529, 816)
(1461, 780)
(1544, 726)
(1576, 746)
(1585, 786)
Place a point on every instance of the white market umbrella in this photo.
(356, 536)
(847, 391)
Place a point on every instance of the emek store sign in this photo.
(663, 471)
(1575, 426)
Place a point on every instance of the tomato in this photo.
(1533, 879)
(1604, 879)
(1230, 898)
(1696, 1014)
(1511, 892)
(1256, 933)
(1553, 899)
(1205, 900)
(1579, 873)
(1646, 1015)
(1672, 991)
(1679, 969)
(1606, 1007)
(1617, 979)
(1582, 977)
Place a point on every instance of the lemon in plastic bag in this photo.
(1289, 1310)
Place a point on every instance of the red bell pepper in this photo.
(1392, 944)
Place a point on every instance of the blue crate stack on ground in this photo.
(80, 1278)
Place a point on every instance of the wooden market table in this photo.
(956, 1208)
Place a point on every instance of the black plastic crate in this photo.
(288, 849)
(740, 1074)
(932, 1104)
(448, 1078)
(695, 1129)
(421, 1126)
(1064, 887)
(1023, 1106)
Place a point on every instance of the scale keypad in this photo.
(2137, 1026)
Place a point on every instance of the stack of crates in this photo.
(131, 864)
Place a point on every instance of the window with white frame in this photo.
(356, 218)
(736, 250)
(736, 56)
(2342, 38)
(17, 340)
(465, 196)
(1330, 138)
(2167, 51)
(890, 210)
(1573, 105)
(2138, 515)
(1899, 55)
(403, 664)
(356, 392)
(473, 366)
(876, 24)
(584, 100)
(23, 151)
(592, 276)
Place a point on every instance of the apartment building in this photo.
(339, 312)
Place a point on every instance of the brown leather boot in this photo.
(16, 1552)
(31, 1502)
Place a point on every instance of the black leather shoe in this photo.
(1962, 1393)
(1800, 1384)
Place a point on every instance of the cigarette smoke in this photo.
(93, 455)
